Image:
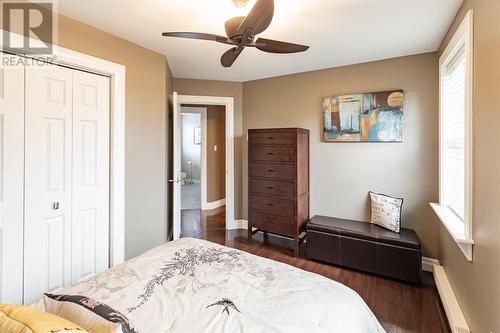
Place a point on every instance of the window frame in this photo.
(460, 229)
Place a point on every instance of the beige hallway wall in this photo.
(224, 89)
(148, 88)
(343, 173)
(476, 284)
(216, 160)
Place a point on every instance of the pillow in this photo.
(386, 211)
(88, 313)
(23, 319)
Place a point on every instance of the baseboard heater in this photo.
(457, 321)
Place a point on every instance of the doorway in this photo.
(212, 182)
(203, 165)
(192, 119)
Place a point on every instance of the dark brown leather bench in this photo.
(366, 247)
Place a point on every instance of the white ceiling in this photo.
(340, 32)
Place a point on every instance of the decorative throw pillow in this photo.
(23, 319)
(88, 313)
(386, 211)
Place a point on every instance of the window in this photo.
(453, 87)
(455, 189)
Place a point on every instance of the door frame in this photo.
(228, 103)
(116, 73)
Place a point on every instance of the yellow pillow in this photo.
(23, 319)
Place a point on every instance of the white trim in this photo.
(239, 224)
(116, 73)
(428, 264)
(454, 226)
(228, 102)
(176, 172)
(463, 235)
(213, 204)
(457, 321)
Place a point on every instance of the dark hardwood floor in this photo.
(398, 306)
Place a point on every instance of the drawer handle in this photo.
(270, 170)
(270, 153)
(270, 187)
(270, 138)
(270, 204)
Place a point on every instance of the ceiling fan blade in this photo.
(230, 56)
(198, 35)
(275, 46)
(258, 19)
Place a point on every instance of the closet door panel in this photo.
(90, 239)
(48, 178)
(11, 179)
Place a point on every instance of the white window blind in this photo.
(454, 90)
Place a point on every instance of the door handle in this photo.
(175, 181)
(55, 205)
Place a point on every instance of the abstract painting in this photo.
(373, 117)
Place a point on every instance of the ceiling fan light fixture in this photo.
(241, 32)
(240, 3)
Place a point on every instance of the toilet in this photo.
(183, 178)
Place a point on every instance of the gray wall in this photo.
(476, 284)
(343, 173)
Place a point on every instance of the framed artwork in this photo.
(197, 135)
(372, 117)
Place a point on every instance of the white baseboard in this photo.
(238, 224)
(428, 264)
(457, 321)
(213, 205)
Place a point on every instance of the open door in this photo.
(176, 181)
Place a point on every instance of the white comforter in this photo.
(193, 285)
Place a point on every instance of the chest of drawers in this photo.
(278, 182)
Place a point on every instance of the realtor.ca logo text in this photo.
(29, 30)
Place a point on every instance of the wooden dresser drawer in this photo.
(272, 188)
(278, 224)
(275, 171)
(270, 138)
(273, 153)
(276, 206)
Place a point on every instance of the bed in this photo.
(192, 285)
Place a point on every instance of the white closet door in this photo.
(11, 180)
(90, 220)
(48, 180)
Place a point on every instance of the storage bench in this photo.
(366, 247)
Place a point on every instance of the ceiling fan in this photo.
(241, 32)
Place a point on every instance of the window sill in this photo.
(455, 228)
